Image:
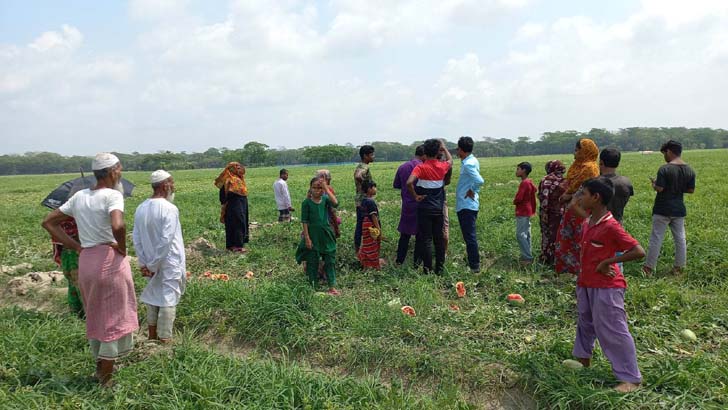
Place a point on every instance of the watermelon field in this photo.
(271, 342)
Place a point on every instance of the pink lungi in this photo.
(108, 293)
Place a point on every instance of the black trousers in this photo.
(429, 232)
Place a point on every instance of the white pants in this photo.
(659, 226)
(163, 319)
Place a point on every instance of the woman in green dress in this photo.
(318, 241)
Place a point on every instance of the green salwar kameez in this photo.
(322, 238)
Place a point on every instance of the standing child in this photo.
(600, 287)
(318, 241)
(525, 202)
(371, 232)
(283, 197)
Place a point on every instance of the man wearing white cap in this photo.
(104, 274)
(161, 254)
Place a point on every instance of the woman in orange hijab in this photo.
(585, 167)
(234, 209)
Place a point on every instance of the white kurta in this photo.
(159, 246)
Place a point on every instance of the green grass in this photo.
(362, 350)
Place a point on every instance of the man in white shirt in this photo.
(161, 254)
(283, 198)
(104, 274)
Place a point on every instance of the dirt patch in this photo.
(35, 290)
(202, 247)
(9, 270)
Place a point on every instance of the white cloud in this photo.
(68, 39)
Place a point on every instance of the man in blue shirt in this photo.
(466, 203)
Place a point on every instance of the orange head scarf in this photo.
(585, 165)
(232, 179)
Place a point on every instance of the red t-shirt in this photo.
(431, 183)
(599, 242)
(525, 200)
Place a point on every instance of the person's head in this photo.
(609, 158)
(316, 188)
(555, 167)
(523, 169)
(107, 170)
(596, 193)
(325, 174)
(366, 153)
(236, 168)
(420, 152)
(369, 188)
(465, 147)
(431, 148)
(283, 174)
(671, 150)
(162, 184)
(586, 150)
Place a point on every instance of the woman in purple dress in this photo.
(408, 216)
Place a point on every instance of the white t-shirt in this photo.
(92, 211)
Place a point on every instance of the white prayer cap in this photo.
(104, 160)
(159, 176)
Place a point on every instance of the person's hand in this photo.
(309, 244)
(122, 251)
(419, 198)
(290, 209)
(565, 198)
(606, 269)
(470, 194)
(146, 272)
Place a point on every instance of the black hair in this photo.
(282, 171)
(466, 144)
(602, 186)
(610, 157)
(365, 150)
(420, 151)
(365, 185)
(578, 144)
(674, 147)
(431, 147)
(314, 179)
(526, 166)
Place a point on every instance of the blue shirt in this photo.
(470, 179)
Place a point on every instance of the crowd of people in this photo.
(580, 214)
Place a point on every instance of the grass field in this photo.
(271, 342)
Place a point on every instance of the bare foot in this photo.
(333, 292)
(585, 361)
(677, 270)
(646, 270)
(626, 387)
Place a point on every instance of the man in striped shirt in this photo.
(427, 186)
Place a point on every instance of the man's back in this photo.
(622, 191)
(675, 180)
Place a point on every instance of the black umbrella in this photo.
(66, 190)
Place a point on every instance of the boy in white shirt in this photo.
(283, 198)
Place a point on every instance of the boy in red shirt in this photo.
(525, 202)
(426, 184)
(600, 287)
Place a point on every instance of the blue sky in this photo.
(78, 77)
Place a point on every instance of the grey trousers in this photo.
(523, 236)
(659, 226)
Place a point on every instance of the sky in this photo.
(79, 77)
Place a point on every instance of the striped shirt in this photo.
(430, 182)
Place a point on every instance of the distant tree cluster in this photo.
(254, 154)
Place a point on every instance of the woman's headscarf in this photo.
(585, 165)
(550, 184)
(232, 180)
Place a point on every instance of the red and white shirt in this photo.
(599, 242)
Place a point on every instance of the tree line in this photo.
(255, 154)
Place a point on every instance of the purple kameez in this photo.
(408, 215)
